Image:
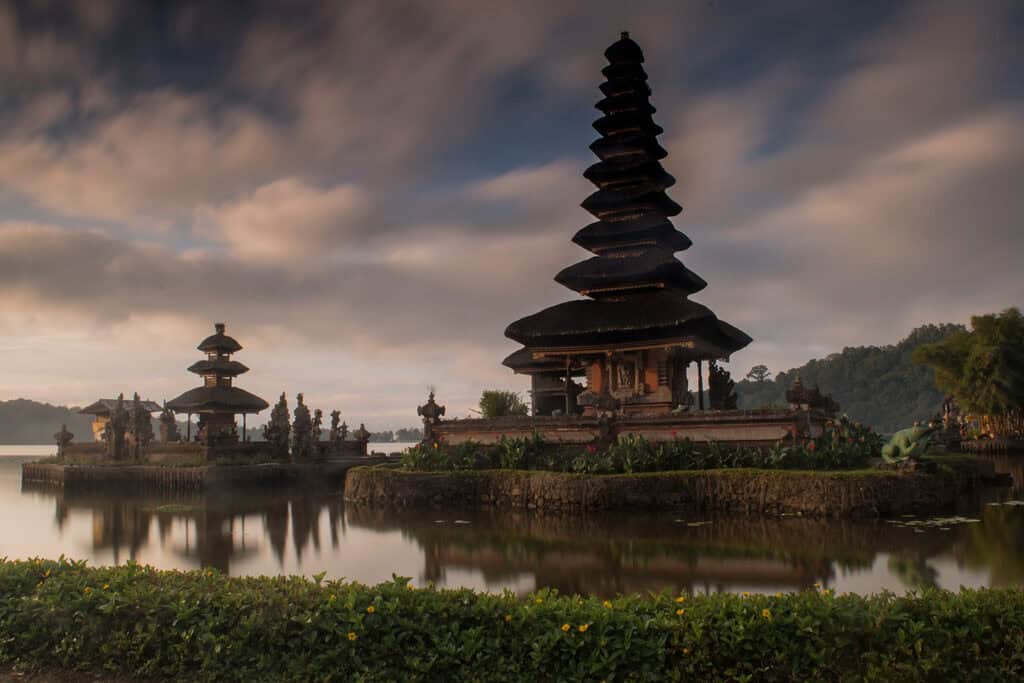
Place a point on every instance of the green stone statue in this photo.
(907, 443)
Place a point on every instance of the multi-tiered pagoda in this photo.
(638, 331)
(217, 401)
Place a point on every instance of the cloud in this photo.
(338, 187)
(288, 219)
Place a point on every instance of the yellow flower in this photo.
(106, 586)
(827, 592)
(817, 585)
(686, 650)
(608, 604)
(566, 627)
(767, 614)
(409, 586)
(46, 573)
(88, 590)
(745, 594)
(332, 598)
(508, 617)
(352, 635)
(680, 612)
(539, 600)
(435, 445)
(583, 628)
(681, 599)
(778, 595)
(371, 609)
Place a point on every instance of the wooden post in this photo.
(243, 427)
(188, 427)
(568, 360)
(700, 385)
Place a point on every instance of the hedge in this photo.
(136, 620)
(845, 445)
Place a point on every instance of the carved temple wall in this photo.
(739, 427)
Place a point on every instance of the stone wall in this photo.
(831, 494)
(741, 427)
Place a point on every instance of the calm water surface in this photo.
(602, 554)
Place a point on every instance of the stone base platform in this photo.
(204, 478)
(862, 493)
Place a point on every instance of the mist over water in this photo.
(303, 533)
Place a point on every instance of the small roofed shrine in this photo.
(217, 402)
(103, 408)
(637, 331)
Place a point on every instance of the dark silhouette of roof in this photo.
(220, 366)
(217, 399)
(105, 406)
(638, 289)
(219, 341)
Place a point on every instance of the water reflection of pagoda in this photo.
(638, 331)
(217, 401)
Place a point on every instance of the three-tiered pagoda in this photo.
(638, 331)
(217, 401)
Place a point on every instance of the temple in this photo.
(637, 332)
(217, 401)
(102, 409)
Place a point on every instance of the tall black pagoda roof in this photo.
(217, 395)
(638, 289)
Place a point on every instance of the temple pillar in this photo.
(700, 385)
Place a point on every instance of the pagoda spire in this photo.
(636, 330)
(633, 237)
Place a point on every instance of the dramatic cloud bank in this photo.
(367, 193)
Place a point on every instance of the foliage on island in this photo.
(877, 385)
(201, 625)
(848, 445)
(500, 403)
(405, 434)
(983, 368)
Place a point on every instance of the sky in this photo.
(368, 192)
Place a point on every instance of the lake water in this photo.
(601, 554)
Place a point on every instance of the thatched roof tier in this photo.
(638, 198)
(217, 400)
(624, 50)
(651, 316)
(105, 406)
(643, 268)
(645, 230)
(523, 361)
(219, 366)
(219, 342)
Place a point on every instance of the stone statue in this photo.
(333, 436)
(315, 431)
(118, 428)
(431, 413)
(908, 443)
(277, 431)
(140, 428)
(302, 427)
(63, 438)
(361, 434)
(168, 426)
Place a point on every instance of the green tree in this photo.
(983, 368)
(759, 374)
(878, 385)
(500, 403)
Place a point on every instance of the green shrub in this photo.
(135, 620)
(845, 445)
